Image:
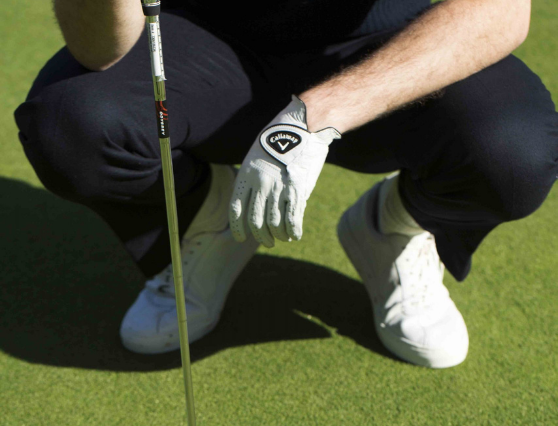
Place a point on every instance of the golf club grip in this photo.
(151, 7)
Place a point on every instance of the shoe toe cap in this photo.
(436, 341)
(445, 331)
(151, 325)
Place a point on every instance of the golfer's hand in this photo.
(277, 177)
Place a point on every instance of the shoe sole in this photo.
(171, 345)
(413, 354)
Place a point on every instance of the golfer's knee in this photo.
(519, 164)
(532, 178)
(61, 143)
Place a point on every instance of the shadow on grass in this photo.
(67, 282)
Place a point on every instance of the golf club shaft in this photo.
(151, 10)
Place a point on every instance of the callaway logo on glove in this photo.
(277, 177)
(281, 142)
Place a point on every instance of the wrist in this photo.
(332, 104)
(320, 115)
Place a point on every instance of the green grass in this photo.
(287, 352)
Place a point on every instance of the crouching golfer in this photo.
(283, 87)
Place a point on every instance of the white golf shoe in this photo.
(211, 261)
(414, 315)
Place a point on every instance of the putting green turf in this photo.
(296, 351)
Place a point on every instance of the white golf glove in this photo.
(277, 177)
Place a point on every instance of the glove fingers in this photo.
(238, 208)
(256, 219)
(294, 214)
(276, 212)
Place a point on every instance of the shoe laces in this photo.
(163, 283)
(421, 274)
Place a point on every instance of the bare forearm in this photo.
(99, 33)
(449, 43)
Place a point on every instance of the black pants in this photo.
(481, 152)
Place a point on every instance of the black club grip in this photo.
(151, 9)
